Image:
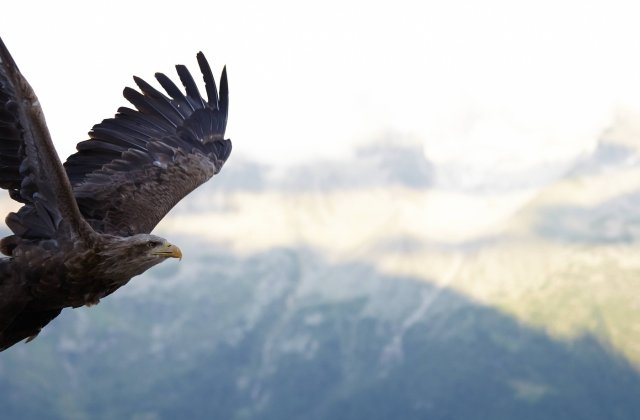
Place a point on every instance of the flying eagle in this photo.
(84, 227)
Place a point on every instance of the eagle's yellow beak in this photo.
(169, 251)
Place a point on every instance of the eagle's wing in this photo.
(32, 172)
(29, 165)
(138, 165)
(27, 324)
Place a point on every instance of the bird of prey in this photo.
(84, 228)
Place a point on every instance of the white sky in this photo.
(479, 82)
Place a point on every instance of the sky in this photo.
(494, 91)
(493, 85)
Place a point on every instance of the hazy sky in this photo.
(481, 83)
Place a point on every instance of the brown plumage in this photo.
(84, 228)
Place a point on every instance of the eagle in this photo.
(84, 228)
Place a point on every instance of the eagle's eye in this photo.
(153, 244)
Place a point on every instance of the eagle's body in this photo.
(84, 228)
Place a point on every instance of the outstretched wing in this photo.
(18, 320)
(138, 165)
(27, 325)
(29, 165)
(32, 172)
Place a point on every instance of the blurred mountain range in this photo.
(364, 289)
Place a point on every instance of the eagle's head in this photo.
(133, 255)
(152, 248)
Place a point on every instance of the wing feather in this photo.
(174, 92)
(223, 105)
(209, 81)
(190, 85)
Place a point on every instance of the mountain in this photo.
(304, 294)
(286, 334)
